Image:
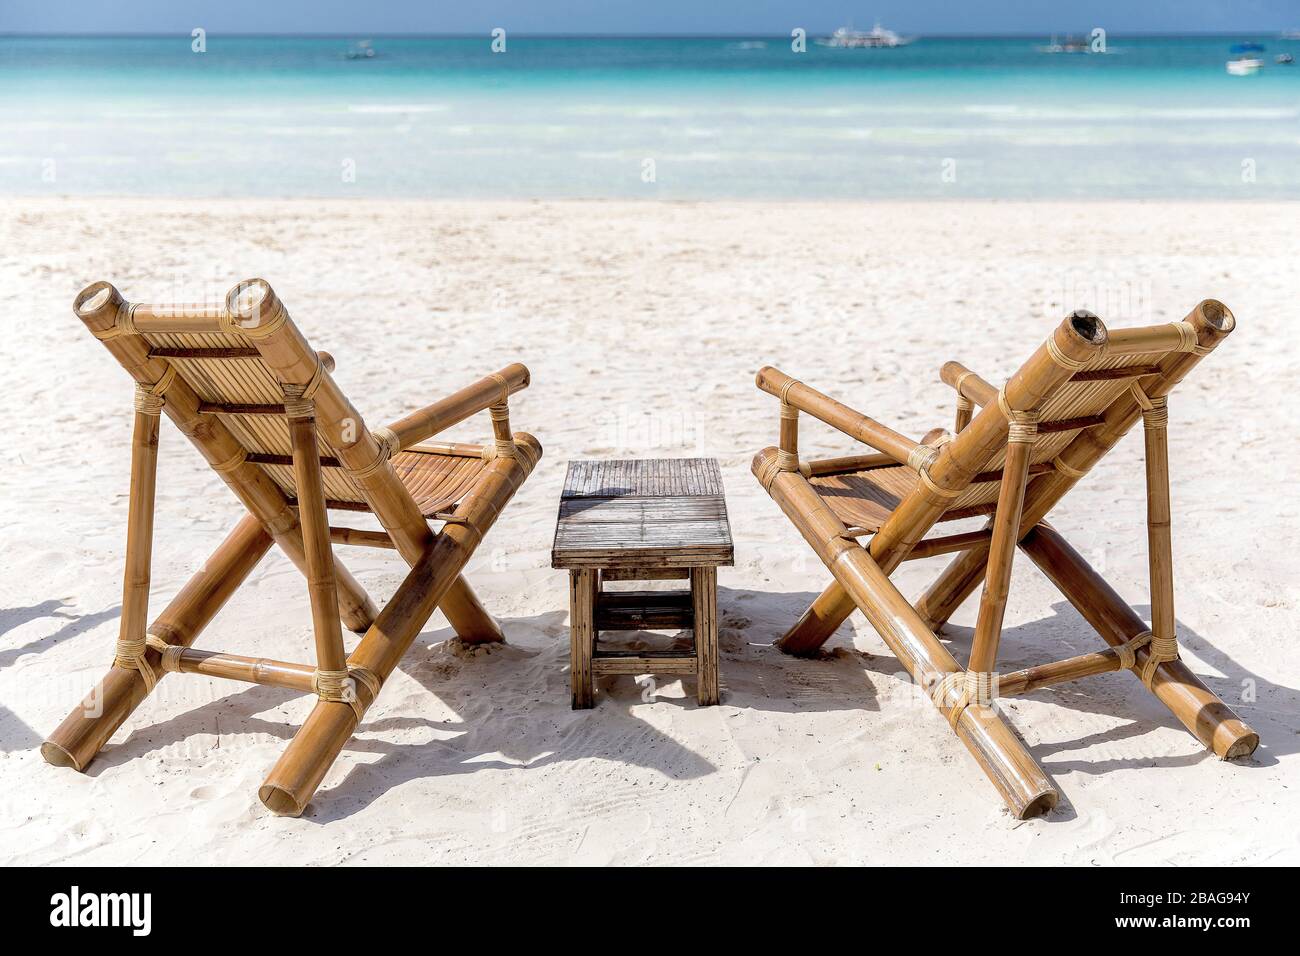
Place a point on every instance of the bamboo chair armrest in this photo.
(442, 414)
(968, 384)
(836, 414)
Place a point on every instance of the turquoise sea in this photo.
(645, 118)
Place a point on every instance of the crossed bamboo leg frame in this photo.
(965, 695)
(433, 580)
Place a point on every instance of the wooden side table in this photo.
(654, 519)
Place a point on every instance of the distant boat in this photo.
(362, 51)
(1284, 58)
(1246, 62)
(1071, 45)
(877, 38)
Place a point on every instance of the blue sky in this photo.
(644, 16)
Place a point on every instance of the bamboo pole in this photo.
(1017, 777)
(931, 547)
(295, 777)
(1211, 322)
(330, 656)
(1160, 553)
(848, 463)
(1057, 672)
(442, 414)
(1197, 707)
(98, 306)
(253, 670)
(1005, 531)
(264, 319)
(86, 730)
(1080, 338)
(139, 530)
(833, 413)
(967, 384)
(363, 539)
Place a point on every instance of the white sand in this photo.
(643, 326)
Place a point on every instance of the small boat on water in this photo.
(1284, 58)
(1071, 45)
(362, 51)
(877, 38)
(1247, 61)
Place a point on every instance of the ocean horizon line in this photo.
(128, 35)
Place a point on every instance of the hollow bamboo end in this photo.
(1213, 314)
(57, 756)
(1040, 804)
(1243, 746)
(252, 303)
(280, 801)
(97, 305)
(1079, 338)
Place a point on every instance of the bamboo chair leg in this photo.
(467, 615)
(331, 660)
(1160, 554)
(108, 705)
(1002, 548)
(1017, 777)
(816, 625)
(292, 782)
(1198, 708)
(131, 647)
(957, 582)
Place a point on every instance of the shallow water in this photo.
(652, 118)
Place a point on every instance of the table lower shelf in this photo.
(632, 663)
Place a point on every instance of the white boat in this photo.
(1071, 45)
(877, 38)
(1244, 66)
(362, 51)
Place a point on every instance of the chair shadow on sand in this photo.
(540, 730)
(15, 734)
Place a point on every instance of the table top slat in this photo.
(647, 513)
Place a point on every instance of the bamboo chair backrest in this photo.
(222, 361)
(1127, 361)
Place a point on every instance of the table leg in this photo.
(582, 636)
(704, 599)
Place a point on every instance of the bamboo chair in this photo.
(1013, 460)
(241, 382)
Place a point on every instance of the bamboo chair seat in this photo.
(241, 382)
(1014, 453)
(866, 499)
(438, 481)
